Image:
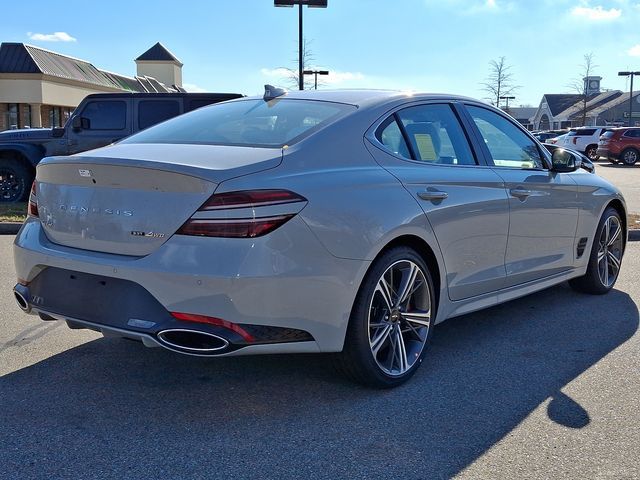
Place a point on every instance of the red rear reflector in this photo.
(233, 228)
(32, 210)
(218, 322)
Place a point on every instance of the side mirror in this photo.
(80, 123)
(57, 132)
(564, 161)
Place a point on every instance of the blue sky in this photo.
(423, 45)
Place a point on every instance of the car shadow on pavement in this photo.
(112, 409)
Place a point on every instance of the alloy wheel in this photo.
(630, 157)
(610, 251)
(399, 317)
(10, 187)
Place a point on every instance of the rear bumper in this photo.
(608, 154)
(285, 280)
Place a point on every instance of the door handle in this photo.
(433, 195)
(520, 192)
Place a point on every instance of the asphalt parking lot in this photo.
(542, 387)
(626, 179)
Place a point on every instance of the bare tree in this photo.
(580, 84)
(307, 59)
(499, 83)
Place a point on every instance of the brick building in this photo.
(40, 88)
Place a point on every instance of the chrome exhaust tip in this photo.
(21, 299)
(192, 341)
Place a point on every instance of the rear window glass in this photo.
(583, 132)
(247, 122)
(608, 134)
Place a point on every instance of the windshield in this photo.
(246, 122)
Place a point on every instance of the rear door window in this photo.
(428, 133)
(151, 112)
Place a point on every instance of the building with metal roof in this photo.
(40, 88)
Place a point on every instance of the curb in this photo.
(9, 228)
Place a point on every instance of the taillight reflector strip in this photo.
(250, 198)
(218, 322)
(233, 228)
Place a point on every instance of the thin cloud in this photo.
(51, 37)
(596, 14)
(634, 51)
(193, 88)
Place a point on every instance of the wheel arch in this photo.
(425, 251)
(619, 207)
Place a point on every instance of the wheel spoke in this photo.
(402, 351)
(613, 260)
(615, 235)
(385, 291)
(407, 284)
(419, 318)
(380, 339)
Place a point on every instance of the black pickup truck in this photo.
(99, 120)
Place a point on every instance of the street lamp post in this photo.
(506, 108)
(300, 3)
(315, 73)
(629, 74)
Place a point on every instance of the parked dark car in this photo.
(620, 145)
(99, 120)
(544, 136)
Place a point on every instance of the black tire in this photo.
(591, 152)
(15, 180)
(358, 361)
(630, 156)
(593, 281)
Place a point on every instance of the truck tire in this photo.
(15, 180)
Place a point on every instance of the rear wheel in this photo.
(605, 258)
(391, 322)
(629, 156)
(591, 153)
(15, 180)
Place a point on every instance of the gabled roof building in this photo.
(40, 88)
(609, 107)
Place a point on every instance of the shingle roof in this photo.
(158, 53)
(21, 58)
(560, 102)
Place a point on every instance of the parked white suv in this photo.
(584, 140)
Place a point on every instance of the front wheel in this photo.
(391, 322)
(605, 258)
(15, 180)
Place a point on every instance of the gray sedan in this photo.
(349, 222)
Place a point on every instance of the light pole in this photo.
(315, 73)
(300, 3)
(506, 108)
(629, 74)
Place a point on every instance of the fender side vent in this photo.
(582, 244)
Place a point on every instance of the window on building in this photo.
(13, 116)
(55, 117)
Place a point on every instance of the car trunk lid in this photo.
(130, 199)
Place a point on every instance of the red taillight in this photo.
(233, 227)
(236, 225)
(32, 211)
(250, 199)
(218, 322)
